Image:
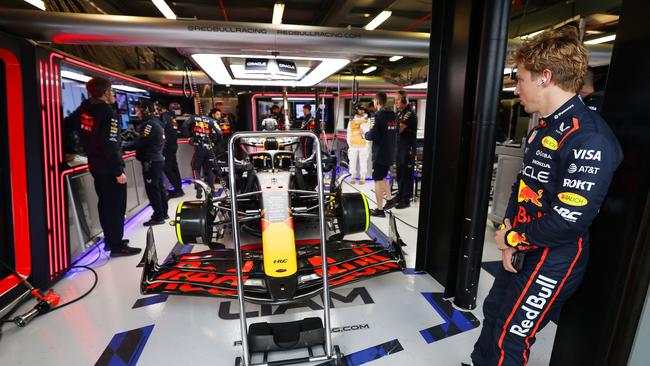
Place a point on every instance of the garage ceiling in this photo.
(407, 15)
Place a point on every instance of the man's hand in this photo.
(506, 258)
(500, 235)
(121, 179)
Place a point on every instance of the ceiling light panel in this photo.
(214, 66)
(605, 39)
(37, 3)
(278, 11)
(164, 9)
(370, 69)
(379, 19)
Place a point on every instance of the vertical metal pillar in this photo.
(490, 76)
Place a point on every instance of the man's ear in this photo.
(547, 75)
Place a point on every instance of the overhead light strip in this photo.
(37, 3)
(605, 39)
(417, 86)
(531, 35)
(370, 69)
(395, 58)
(75, 76)
(379, 19)
(127, 88)
(278, 11)
(164, 9)
(71, 75)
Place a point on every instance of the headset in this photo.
(542, 82)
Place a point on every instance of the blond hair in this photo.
(558, 50)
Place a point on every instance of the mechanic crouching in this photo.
(149, 151)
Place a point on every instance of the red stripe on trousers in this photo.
(532, 334)
(514, 309)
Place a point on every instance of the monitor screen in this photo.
(122, 105)
(124, 119)
(299, 111)
(131, 100)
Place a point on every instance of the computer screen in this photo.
(124, 119)
(122, 105)
(299, 111)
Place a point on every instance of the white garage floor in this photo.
(397, 319)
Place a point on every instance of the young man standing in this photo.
(169, 151)
(149, 151)
(383, 135)
(569, 161)
(406, 145)
(99, 133)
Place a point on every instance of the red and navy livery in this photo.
(568, 165)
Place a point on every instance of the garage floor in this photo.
(397, 319)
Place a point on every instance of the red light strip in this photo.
(18, 169)
(59, 160)
(121, 76)
(46, 162)
(45, 172)
(56, 194)
(49, 94)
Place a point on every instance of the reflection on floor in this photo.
(398, 319)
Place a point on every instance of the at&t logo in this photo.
(573, 168)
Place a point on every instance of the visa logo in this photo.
(587, 154)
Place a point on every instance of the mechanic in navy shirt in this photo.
(383, 135)
(149, 151)
(569, 161)
(170, 126)
(99, 133)
(405, 159)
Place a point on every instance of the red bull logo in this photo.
(526, 194)
(514, 238)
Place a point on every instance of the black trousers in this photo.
(153, 185)
(405, 167)
(171, 170)
(203, 159)
(112, 207)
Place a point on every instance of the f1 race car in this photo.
(275, 198)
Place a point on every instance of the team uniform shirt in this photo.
(309, 123)
(99, 133)
(204, 132)
(568, 164)
(225, 126)
(383, 134)
(408, 137)
(150, 141)
(171, 133)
